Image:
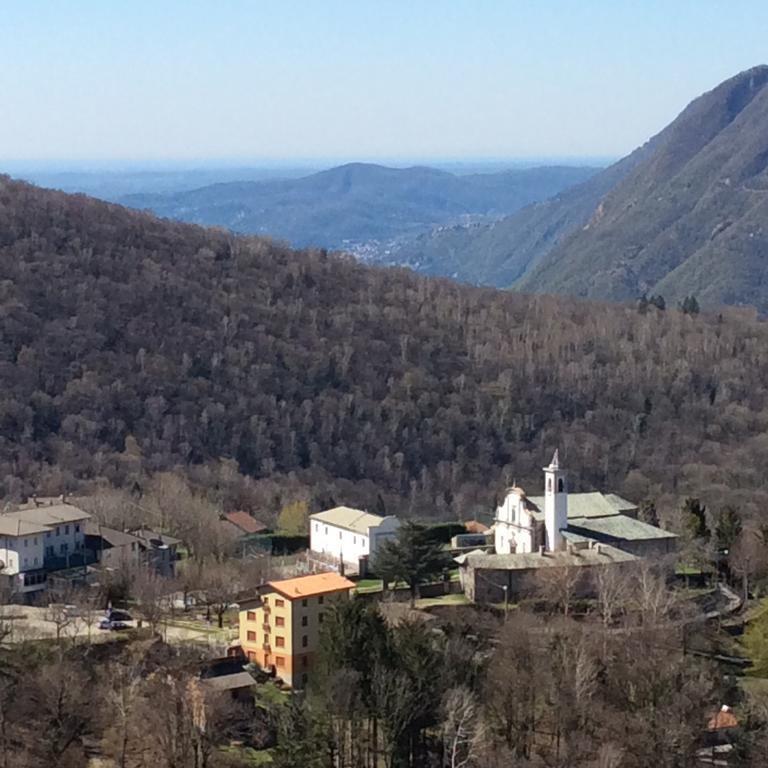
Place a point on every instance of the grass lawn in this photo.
(369, 585)
(248, 756)
(426, 602)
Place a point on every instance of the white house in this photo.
(21, 555)
(39, 537)
(346, 535)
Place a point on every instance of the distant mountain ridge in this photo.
(689, 219)
(682, 215)
(359, 202)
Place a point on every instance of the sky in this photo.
(183, 81)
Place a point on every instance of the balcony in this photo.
(265, 626)
(266, 647)
(267, 610)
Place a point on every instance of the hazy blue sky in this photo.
(358, 79)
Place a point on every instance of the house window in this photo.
(354, 539)
(34, 541)
(266, 601)
(321, 599)
(26, 542)
(279, 621)
(560, 485)
(35, 563)
(251, 637)
(280, 642)
(303, 621)
(26, 562)
(66, 530)
(305, 661)
(279, 661)
(58, 530)
(304, 641)
(549, 485)
(326, 530)
(304, 679)
(339, 535)
(304, 602)
(47, 534)
(251, 616)
(63, 548)
(77, 528)
(279, 603)
(320, 619)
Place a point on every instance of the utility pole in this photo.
(506, 602)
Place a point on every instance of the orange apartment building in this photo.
(280, 629)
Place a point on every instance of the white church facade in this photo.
(559, 529)
(523, 526)
(549, 523)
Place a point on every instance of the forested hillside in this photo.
(131, 345)
(689, 219)
(682, 215)
(359, 203)
(497, 253)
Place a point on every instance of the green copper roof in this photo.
(617, 527)
(593, 504)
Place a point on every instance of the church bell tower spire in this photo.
(555, 503)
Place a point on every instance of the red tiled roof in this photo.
(245, 522)
(475, 526)
(308, 586)
(722, 719)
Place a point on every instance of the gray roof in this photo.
(618, 527)
(594, 504)
(111, 536)
(148, 536)
(231, 682)
(12, 526)
(50, 514)
(533, 560)
(352, 519)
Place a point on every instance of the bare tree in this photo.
(150, 591)
(558, 585)
(60, 700)
(462, 729)
(613, 587)
(653, 598)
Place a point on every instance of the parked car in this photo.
(113, 626)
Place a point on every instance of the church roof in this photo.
(593, 504)
(524, 561)
(618, 527)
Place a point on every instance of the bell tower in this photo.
(555, 504)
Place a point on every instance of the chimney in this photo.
(598, 548)
(541, 550)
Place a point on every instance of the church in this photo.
(558, 530)
(526, 524)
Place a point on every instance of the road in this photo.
(20, 623)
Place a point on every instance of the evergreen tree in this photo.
(689, 305)
(648, 513)
(727, 528)
(695, 519)
(412, 557)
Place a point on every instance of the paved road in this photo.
(23, 622)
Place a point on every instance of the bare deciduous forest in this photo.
(132, 345)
